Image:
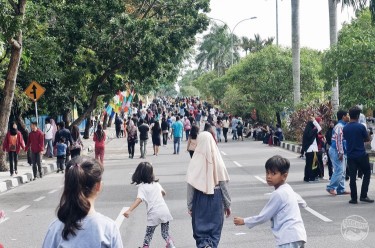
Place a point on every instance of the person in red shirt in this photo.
(36, 143)
(99, 139)
(12, 144)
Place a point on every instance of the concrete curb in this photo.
(291, 147)
(25, 178)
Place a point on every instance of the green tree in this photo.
(12, 15)
(352, 61)
(265, 78)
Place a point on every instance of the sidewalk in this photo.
(25, 172)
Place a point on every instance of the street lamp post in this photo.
(231, 32)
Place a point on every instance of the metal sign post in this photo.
(36, 113)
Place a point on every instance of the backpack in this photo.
(13, 143)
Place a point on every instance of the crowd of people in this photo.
(203, 127)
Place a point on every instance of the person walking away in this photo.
(218, 126)
(356, 135)
(336, 153)
(328, 137)
(207, 180)
(234, 124)
(143, 137)
(78, 223)
(155, 135)
(177, 131)
(164, 130)
(36, 143)
(187, 127)
(282, 208)
(99, 139)
(48, 137)
(310, 147)
(12, 144)
(132, 138)
(151, 192)
(240, 130)
(198, 118)
(192, 141)
(77, 145)
(225, 128)
(61, 155)
(118, 124)
(278, 137)
(64, 132)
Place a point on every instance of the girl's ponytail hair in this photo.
(81, 177)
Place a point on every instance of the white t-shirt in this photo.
(283, 211)
(48, 131)
(98, 231)
(157, 209)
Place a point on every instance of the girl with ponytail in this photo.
(78, 224)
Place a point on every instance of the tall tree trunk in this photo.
(105, 121)
(278, 118)
(296, 52)
(11, 77)
(332, 8)
(86, 134)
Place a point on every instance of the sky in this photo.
(314, 22)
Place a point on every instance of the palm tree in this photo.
(245, 44)
(256, 44)
(296, 52)
(214, 52)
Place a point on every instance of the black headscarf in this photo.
(309, 135)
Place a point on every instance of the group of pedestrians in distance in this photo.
(343, 150)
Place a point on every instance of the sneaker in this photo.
(353, 201)
(58, 170)
(40, 174)
(16, 172)
(367, 199)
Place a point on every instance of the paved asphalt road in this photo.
(31, 207)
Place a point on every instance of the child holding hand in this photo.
(282, 208)
(151, 192)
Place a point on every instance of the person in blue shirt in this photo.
(177, 130)
(282, 208)
(61, 154)
(356, 135)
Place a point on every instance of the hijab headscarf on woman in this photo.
(207, 194)
(206, 168)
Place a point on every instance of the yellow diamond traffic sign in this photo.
(34, 91)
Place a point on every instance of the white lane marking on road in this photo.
(320, 216)
(241, 233)
(4, 219)
(238, 164)
(21, 209)
(39, 199)
(268, 194)
(223, 153)
(260, 179)
(120, 218)
(52, 191)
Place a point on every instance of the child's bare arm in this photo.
(132, 207)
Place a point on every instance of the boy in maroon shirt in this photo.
(36, 143)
